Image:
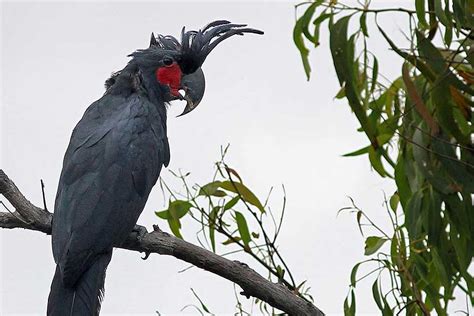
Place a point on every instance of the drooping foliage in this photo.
(419, 127)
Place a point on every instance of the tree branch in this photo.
(29, 216)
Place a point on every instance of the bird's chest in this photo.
(137, 139)
(140, 140)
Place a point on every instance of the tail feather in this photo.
(85, 298)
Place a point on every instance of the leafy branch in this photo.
(228, 211)
(420, 132)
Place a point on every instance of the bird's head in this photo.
(176, 65)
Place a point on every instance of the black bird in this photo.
(114, 158)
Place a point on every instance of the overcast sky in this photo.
(282, 130)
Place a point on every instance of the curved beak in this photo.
(193, 85)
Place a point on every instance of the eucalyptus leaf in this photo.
(244, 192)
(231, 203)
(243, 228)
(373, 243)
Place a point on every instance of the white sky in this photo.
(282, 129)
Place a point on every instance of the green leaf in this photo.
(435, 225)
(375, 73)
(231, 203)
(212, 226)
(244, 192)
(322, 18)
(460, 13)
(440, 269)
(243, 228)
(317, 25)
(394, 200)
(403, 186)
(391, 95)
(394, 256)
(441, 14)
(375, 157)
(359, 217)
(429, 167)
(354, 274)
(306, 19)
(448, 36)
(363, 24)
(280, 272)
(163, 214)
(175, 226)
(412, 213)
(341, 93)
(383, 139)
(460, 173)
(461, 121)
(219, 193)
(358, 152)
(372, 244)
(349, 309)
(444, 104)
(387, 311)
(300, 29)
(420, 13)
(376, 295)
(342, 50)
(232, 240)
(210, 189)
(176, 210)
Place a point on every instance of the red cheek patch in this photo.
(170, 76)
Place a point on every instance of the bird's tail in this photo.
(85, 297)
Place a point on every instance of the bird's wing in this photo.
(113, 160)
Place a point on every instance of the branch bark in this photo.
(29, 216)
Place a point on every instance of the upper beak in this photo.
(193, 85)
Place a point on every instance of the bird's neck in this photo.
(134, 80)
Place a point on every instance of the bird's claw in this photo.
(141, 231)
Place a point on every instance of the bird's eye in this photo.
(168, 61)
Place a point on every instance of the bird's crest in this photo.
(196, 45)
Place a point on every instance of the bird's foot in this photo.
(140, 232)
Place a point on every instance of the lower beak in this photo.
(193, 85)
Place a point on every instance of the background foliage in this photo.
(419, 127)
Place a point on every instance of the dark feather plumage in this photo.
(113, 160)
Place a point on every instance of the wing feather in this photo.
(113, 160)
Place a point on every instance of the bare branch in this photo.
(252, 284)
(35, 217)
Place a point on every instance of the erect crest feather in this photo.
(196, 45)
